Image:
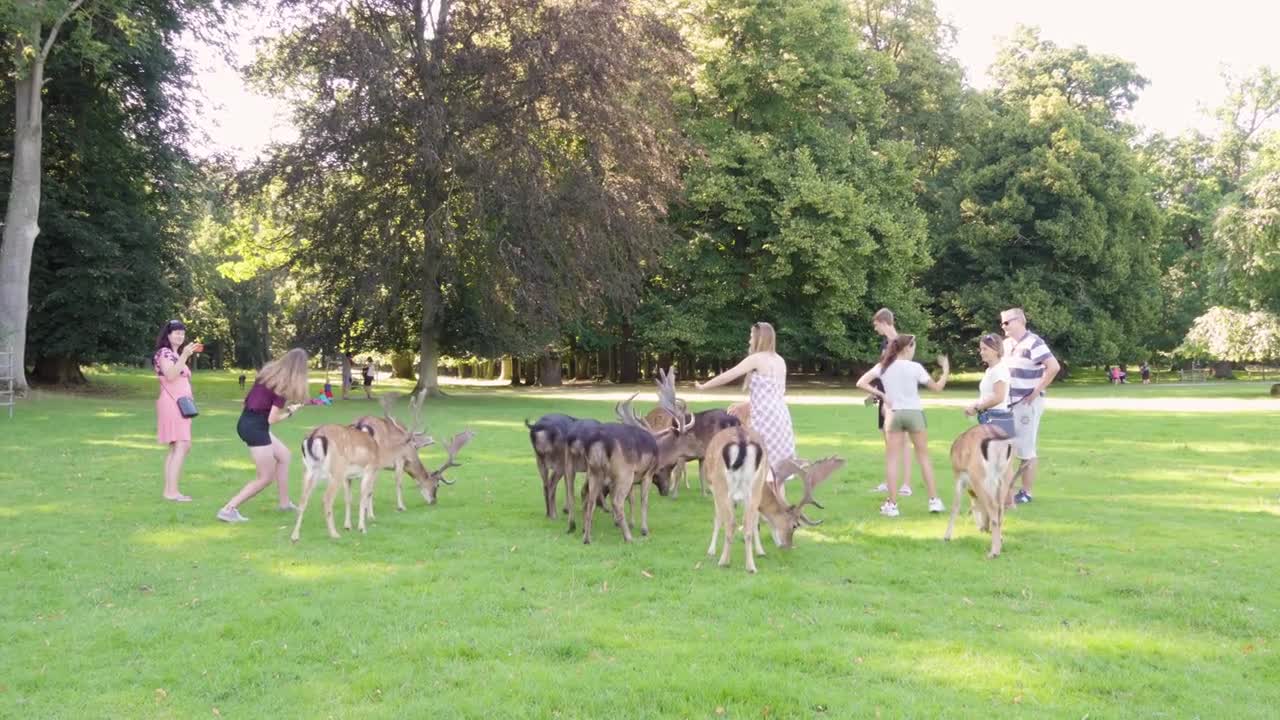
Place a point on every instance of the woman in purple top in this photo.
(170, 363)
(279, 382)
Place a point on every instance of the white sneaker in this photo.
(889, 509)
(935, 505)
(905, 491)
(881, 488)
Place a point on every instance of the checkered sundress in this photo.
(771, 419)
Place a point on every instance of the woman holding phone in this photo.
(283, 380)
(172, 429)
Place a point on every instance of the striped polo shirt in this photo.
(1025, 360)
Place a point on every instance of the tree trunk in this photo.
(58, 370)
(1223, 370)
(428, 379)
(21, 221)
(630, 371)
(551, 370)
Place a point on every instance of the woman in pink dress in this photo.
(170, 363)
(767, 385)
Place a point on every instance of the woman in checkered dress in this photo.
(766, 373)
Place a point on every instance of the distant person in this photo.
(902, 377)
(1115, 375)
(280, 381)
(347, 364)
(172, 429)
(1032, 367)
(368, 373)
(884, 326)
(1145, 369)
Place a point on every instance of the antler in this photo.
(388, 402)
(678, 409)
(814, 474)
(627, 414)
(455, 444)
(415, 411)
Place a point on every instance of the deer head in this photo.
(429, 480)
(785, 518)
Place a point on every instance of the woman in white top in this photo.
(904, 415)
(992, 407)
(766, 383)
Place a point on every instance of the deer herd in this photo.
(622, 461)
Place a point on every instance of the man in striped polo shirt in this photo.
(1031, 367)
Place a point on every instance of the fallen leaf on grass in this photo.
(646, 573)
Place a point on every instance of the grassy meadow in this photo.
(1140, 583)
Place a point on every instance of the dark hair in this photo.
(895, 346)
(162, 340)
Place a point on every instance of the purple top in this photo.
(261, 398)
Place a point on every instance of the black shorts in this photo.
(368, 380)
(254, 429)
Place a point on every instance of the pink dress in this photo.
(170, 425)
(771, 419)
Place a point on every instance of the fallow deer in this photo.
(704, 426)
(979, 458)
(739, 473)
(335, 454)
(400, 444)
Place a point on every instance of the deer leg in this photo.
(620, 496)
(399, 491)
(727, 521)
(756, 534)
(346, 489)
(702, 478)
(569, 498)
(308, 485)
(750, 527)
(955, 504)
(366, 494)
(331, 492)
(548, 492)
(645, 482)
(715, 529)
(588, 507)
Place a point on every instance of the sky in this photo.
(1180, 47)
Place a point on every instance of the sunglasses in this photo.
(1004, 323)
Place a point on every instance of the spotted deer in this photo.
(739, 473)
(979, 459)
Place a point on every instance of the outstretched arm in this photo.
(748, 364)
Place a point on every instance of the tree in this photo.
(23, 24)
(1048, 211)
(1233, 336)
(507, 161)
(1246, 244)
(799, 208)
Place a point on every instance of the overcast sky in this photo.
(1179, 47)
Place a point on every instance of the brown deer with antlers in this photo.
(739, 473)
(704, 426)
(399, 444)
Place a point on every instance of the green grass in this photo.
(1141, 583)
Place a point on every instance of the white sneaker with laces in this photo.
(935, 505)
(889, 509)
(881, 488)
(905, 491)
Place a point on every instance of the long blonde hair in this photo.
(287, 375)
(763, 338)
